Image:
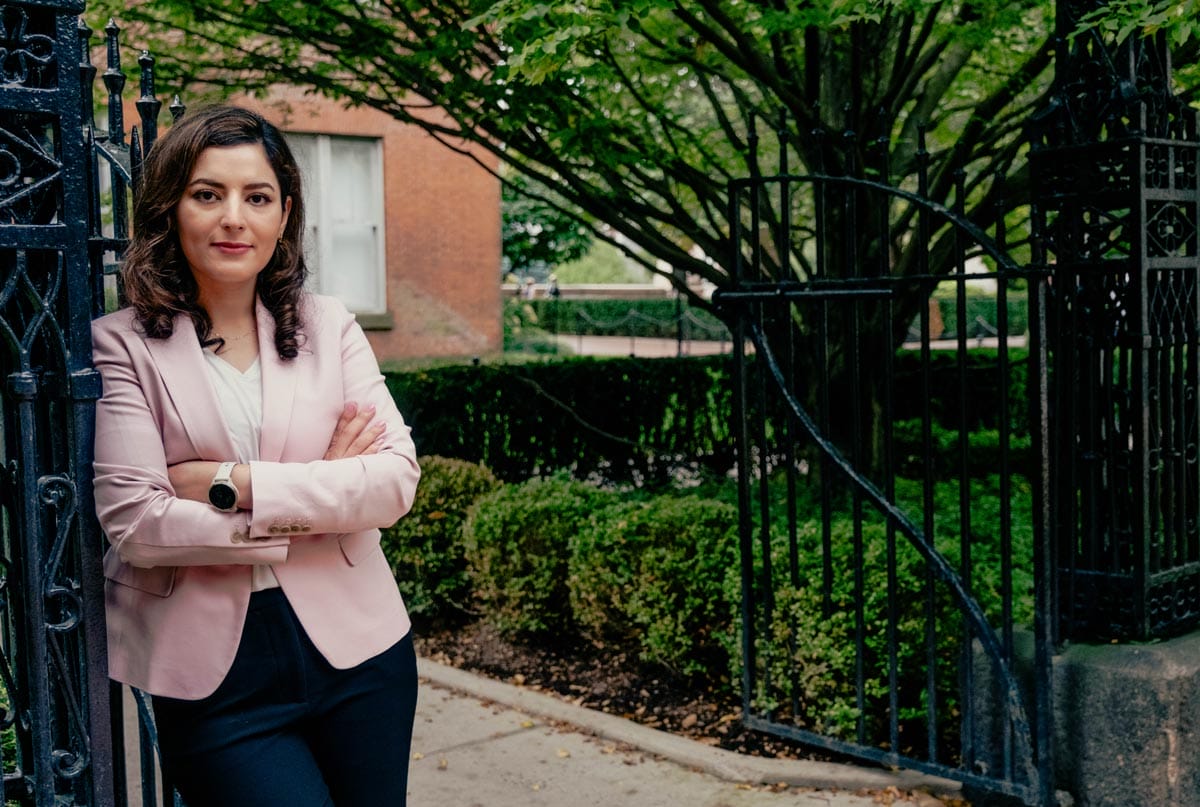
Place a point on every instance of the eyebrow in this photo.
(253, 186)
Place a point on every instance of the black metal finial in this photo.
(148, 105)
(114, 81)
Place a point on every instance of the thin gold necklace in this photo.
(236, 338)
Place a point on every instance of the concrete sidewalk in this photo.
(483, 743)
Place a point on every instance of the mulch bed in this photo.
(610, 681)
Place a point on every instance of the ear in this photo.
(287, 209)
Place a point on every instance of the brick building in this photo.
(404, 230)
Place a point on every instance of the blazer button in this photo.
(274, 528)
(236, 538)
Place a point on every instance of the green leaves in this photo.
(1179, 20)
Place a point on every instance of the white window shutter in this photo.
(344, 245)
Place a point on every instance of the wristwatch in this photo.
(222, 493)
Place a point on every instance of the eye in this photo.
(204, 195)
(259, 199)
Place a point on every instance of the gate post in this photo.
(1116, 206)
(1116, 192)
(52, 663)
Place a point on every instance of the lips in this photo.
(232, 247)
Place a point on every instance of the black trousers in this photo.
(285, 728)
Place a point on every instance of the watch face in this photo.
(223, 497)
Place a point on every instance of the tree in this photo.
(535, 235)
(636, 114)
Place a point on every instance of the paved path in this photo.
(482, 743)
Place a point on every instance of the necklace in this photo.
(237, 338)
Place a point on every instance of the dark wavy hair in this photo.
(158, 283)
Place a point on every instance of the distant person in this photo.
(552, 290)
(247, 453)
(528, 288)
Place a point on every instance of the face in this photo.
(229, 218)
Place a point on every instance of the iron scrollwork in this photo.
(26, 58)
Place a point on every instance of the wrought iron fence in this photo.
(65, 186)
(885, 594)
(51, 609)
(1117, 167)
(114, 163)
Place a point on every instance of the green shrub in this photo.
(981, 315)
(517, 544)
(663, 318)
(425, 548)
(806, 666)
(983, 451)
(654, 574)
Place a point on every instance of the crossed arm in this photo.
(354, 436)
(156, 513)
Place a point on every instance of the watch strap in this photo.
(224, 472)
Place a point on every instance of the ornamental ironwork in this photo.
(1117, 204)
(51, 609)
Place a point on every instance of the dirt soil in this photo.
(609, 680)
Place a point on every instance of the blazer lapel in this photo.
(180, 363)
(279, 390)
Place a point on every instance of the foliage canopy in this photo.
(635, 115)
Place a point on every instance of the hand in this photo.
(355, 435)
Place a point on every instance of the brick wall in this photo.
(443, 231)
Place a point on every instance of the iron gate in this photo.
(891, 487)
(64, 200)
(51, 617)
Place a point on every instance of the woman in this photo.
(247, 451)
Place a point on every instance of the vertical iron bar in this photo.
(964, 477)
(742, 444)
(23, 388)
(87, 74)
(1046, 497)
(851, 269)
(928, 482)
(888, 347)
(1142, 527)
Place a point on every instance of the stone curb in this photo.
(719, 762)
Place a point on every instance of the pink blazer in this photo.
(178, 571)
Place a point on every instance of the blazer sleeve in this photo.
(135, 503)
(350, 494)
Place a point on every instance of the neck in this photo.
(231, 315)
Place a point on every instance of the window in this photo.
(344, 232)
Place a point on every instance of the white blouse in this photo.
(240, 395)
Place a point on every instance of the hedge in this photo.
(643, 420)
(618, 419)
(657, 576)
(659, 318)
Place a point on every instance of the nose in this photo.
(232, 217)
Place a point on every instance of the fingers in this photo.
(354, 433)
(337, 443)
(367, 442)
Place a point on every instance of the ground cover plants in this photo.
(628, 600)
